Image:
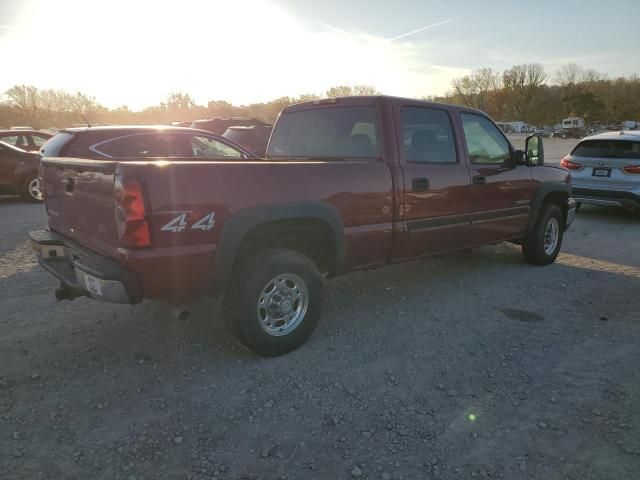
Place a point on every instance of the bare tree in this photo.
(307, 97)
(347, 91)
(478, 89)
(574, 82)
(25, 99)
(340, 91)
(521, 83)
(365, 90)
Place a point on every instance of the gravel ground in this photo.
(465, 366)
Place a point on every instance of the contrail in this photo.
(422, 29)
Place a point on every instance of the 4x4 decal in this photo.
(179, 223)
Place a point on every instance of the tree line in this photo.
(527, 93)
(46, 108)
(523, 92)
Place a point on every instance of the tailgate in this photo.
(80, 201)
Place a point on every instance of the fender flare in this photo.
(538, 199)
(239, 224)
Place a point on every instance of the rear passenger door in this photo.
(502, 190)
(436, 182)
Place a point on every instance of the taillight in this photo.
(569, 165)
(632, 169)
(131, 213)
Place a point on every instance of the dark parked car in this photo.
(569, 133)
(219, 125)
(19, 172)
(29, 140)
(254, 138)
(141, 142)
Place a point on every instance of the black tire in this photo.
(578, 205)
(249, 281)
(26, 188)
(533, 246)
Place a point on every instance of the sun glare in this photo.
(136, 52)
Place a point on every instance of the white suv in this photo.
(605, 170)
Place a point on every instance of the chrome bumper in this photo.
(83, 273)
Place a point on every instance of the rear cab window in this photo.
(329, 132)
(623, 149)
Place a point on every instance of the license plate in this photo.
(92, 284)
(601, 172)
(48, 251)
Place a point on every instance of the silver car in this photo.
(605, 170)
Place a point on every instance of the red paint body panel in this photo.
(383, 219)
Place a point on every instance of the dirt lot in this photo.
(467, 366)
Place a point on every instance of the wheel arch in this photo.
(289, 218)
(556, 193)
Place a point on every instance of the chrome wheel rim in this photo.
(35, 189)
(551, 235)
(282, 304)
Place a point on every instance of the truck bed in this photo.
(81, 207)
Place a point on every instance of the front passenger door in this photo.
(502, 190)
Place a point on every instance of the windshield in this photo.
(625, 149)
(335, 132)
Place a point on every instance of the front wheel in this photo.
(542, 245)
(31, 188)
(274, 301)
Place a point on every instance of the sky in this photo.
(136, 52)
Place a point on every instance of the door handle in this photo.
(68, 185)
(420, 184)
(479, 180)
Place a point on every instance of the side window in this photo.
(145, 145)
(485, 143)
(15, 140)
(39, 140)
(207, 147)
(428, 136)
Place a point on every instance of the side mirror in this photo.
(534, 151)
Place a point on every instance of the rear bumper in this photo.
(607, 198)
(82, 272)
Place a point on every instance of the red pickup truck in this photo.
(347, 184)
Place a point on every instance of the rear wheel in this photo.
(542, 245)
(274, 301)
(31, 188)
